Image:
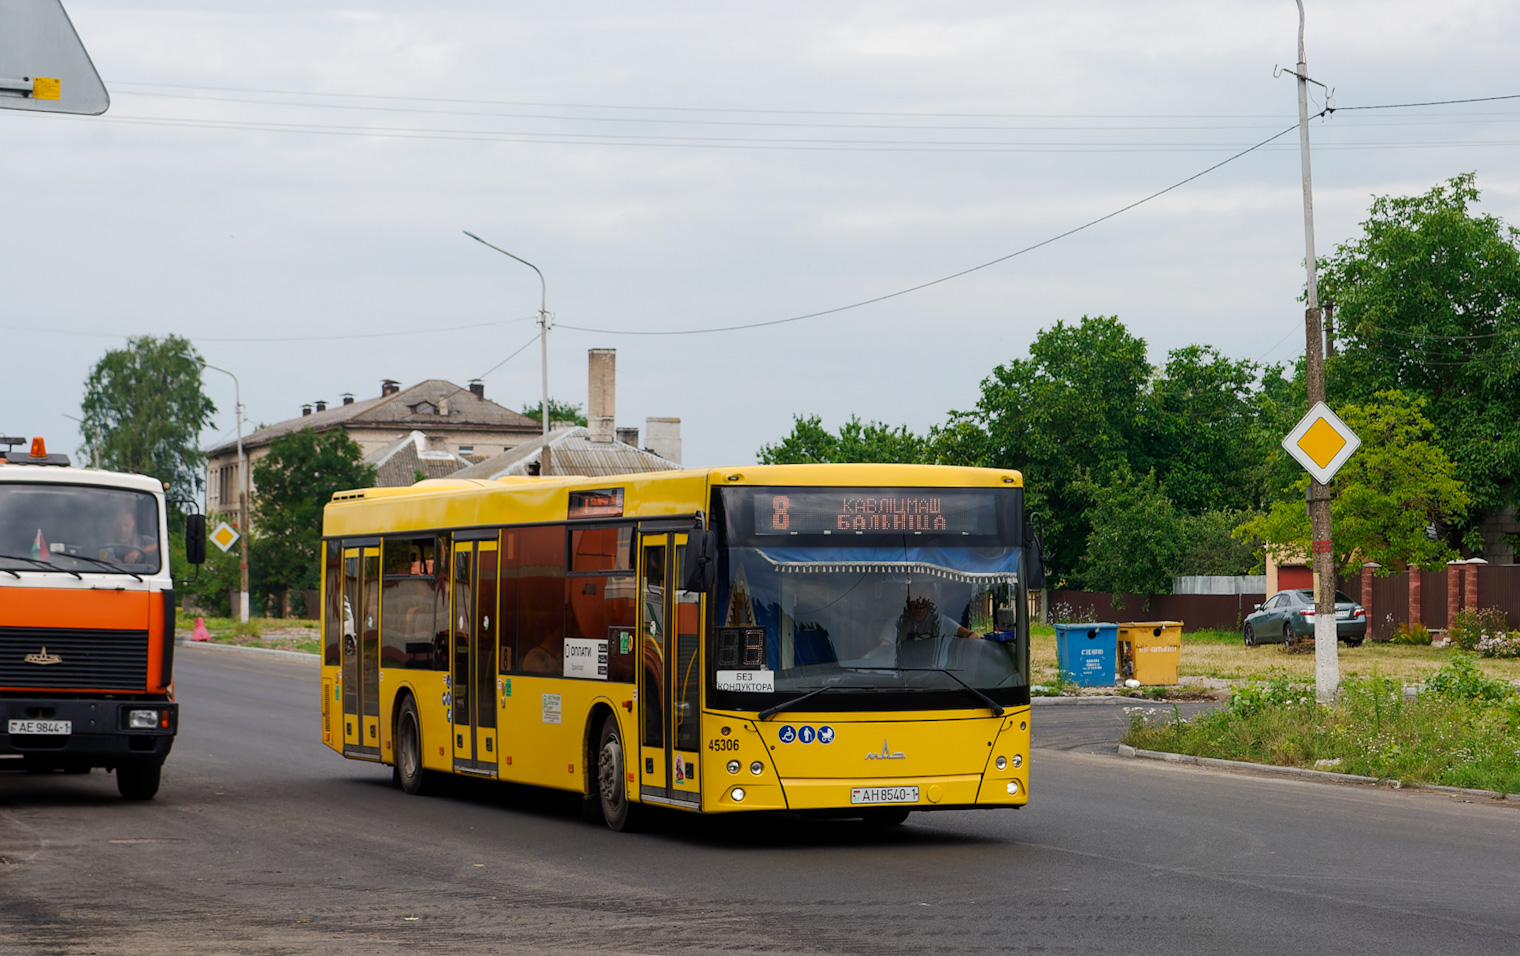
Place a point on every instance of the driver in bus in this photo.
(921, 619)
(124, 543)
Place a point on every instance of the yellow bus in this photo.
(846, 640)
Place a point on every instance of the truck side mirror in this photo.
(195, 539)
(700, 559)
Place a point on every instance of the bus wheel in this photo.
(138, 781)
(409, 772)
(885, 817)
(616, 810)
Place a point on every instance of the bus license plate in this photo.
(51, 727)
(883, 794)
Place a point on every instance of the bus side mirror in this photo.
(700, 561)
(195, 539)
(1034, 554)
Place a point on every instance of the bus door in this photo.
(361, 650)
(472, 679)
(670, 674)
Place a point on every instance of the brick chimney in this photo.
(663, 437)
(628, 436)
(601, 391)
(348, 398)
(477, 388)
(389, 386)
(305, 410)
(321, 405)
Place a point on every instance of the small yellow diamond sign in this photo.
(225, 536)
(1321, 442)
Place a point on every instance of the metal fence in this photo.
(1218, 612)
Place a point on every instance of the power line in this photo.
(955, 275)
(280, 338)
(1401, 106)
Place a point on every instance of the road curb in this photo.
(1303, 773)
(182, 641)
(1088, 699)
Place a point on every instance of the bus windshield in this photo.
(883, 615)
(77, 529)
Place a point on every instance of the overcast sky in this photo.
(286, 184)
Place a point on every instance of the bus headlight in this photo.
(1002, 763)
(1018, 761)
(1013, 787)
(733, 766)
(757, 768)
(738, 794)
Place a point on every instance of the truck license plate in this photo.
(51, 727)
(883, 794)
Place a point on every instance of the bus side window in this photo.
(541, 600)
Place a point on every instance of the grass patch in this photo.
(278, 633)
(1462, 730)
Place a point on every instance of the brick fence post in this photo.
(1414, 596)
(1367, 568)
(1453, 589)
(1470, 582)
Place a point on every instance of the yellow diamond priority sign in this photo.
(225, 536)
(1321, 442)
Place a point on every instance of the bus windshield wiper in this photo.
(104, 563)
(789, 704)
(41, 564)
(996, 708)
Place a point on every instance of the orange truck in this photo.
(86, 620)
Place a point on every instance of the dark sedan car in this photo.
(1288, 615)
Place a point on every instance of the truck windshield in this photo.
(884, 616)
(80, 529)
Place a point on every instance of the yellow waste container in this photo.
(1150, 651)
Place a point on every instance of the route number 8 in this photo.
(781, 519)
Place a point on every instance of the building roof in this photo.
(419, 407)
(571, 452)
(399, 463)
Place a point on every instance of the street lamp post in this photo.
(543, 341)
(243, 492)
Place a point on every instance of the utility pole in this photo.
(1327, 677)
(543, 342)
(243, 495)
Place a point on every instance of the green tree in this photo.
(1077, 406)
(856, 441)
(146, 404)
(1202, 429)
(1136, 542)
(1386, 494)
(292, 484)
(1427, 301)
(558, 412)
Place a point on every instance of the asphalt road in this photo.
(263, 841)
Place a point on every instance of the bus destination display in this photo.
(837, 511)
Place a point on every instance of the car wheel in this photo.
(1353, 642)
(1288, 637)
(1250, 636)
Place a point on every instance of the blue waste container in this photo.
(1087, 653)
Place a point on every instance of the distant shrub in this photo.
(1417, 634)
(1473, 625)
(1460, 680)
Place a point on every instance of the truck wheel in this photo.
(409, 772)
(138, 781)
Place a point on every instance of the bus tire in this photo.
(138, 780)
(610, 775)
(410, 775)
(885, 817)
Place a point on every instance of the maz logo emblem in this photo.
(886, 754)
(43, 658)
